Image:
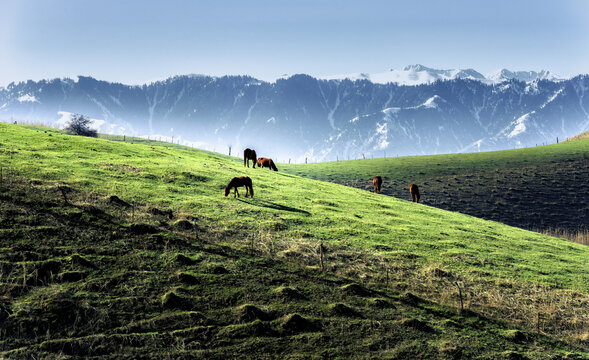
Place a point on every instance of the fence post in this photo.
(195, 229)
(321, 255)
(460, 294)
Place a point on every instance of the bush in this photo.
(80, 125)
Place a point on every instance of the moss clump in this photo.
(339, 309)
(355, 289)
(182, 225)
(184, 260)
(417, 325)
(514, 335)
(142, 229)
(249, 313)
(188, 279)
(254, 328)
(295, 323)
(158, 212)
(382, 304)
(218, 270)
(171, 300)
(410, 299)
(288, 293)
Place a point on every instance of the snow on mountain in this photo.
(27, 98)
(304, 117)
(411, 75)
(526, 76)
(418, 75)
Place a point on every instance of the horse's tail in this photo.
(251, 189)
(254, 157)
(272, 166)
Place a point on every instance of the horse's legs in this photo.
(246, 190)
(235, 192)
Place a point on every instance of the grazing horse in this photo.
(266, 162)
(239, 181)
(377, 182)
(249, 154)
(414, 190)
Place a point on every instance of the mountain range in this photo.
(418, 74)
(414, 111)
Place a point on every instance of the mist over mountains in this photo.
(425, 111)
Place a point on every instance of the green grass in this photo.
(246, 251)
(542, 188)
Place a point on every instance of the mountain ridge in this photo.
(304, 117)
(418, 74)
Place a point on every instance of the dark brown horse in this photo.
(377, 182)
(266, 162)
(249, 154)
(239, 182)
(414, 190)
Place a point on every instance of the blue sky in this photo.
(136, 42)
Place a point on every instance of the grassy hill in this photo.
(584, 135)
(112, 248)
(543, 188)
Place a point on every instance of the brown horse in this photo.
(239, 182)
(266, 162)
(414, 190)
(377, 182)
(249, 154)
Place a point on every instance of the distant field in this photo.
(542, 188)
(171, 267)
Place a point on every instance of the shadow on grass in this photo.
(273, 205)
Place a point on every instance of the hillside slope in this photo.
(537, 188)
(85, 272)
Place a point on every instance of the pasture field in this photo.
(543, 188)
(120, 249)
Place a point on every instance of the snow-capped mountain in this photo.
(412, 75)
(419, 74)
(302, 116)
(527, 76)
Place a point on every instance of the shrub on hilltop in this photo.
(80, 125)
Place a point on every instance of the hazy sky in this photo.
(136, 42)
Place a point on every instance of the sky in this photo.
(137, 42)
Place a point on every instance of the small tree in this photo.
(80, 125)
